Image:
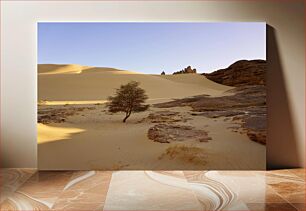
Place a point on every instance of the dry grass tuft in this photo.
(188, 154)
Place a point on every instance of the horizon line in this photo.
(123, 69)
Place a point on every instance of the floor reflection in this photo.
(27, 189)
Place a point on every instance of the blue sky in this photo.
(151, 47)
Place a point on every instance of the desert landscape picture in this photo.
(158, 96)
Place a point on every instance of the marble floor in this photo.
(28, 189)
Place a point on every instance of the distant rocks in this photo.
(240, 73)
(163, 73)
(186, 70)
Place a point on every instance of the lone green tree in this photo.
(128, 98)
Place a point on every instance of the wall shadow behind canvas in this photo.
(280, 126)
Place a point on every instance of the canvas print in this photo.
(156, 96)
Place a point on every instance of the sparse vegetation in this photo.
(185, 153)
(128, 98)
(42, 102)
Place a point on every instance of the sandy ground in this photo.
(95, 139)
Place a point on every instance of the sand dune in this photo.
(50, 69)
(79, 83)
(86, 136)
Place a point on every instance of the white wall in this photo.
(286, 79)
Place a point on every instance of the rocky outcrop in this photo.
(163, 73)
(165, 133)
(165, 117)
(166, 130)
(186, 70)
(245, 106)
(52, 114)
(243, 72)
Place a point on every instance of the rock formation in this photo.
(167, 130)
(47, 115)
(240, 73)
(186, 70)
(166, 133)
(246, 106)
(163, 73)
